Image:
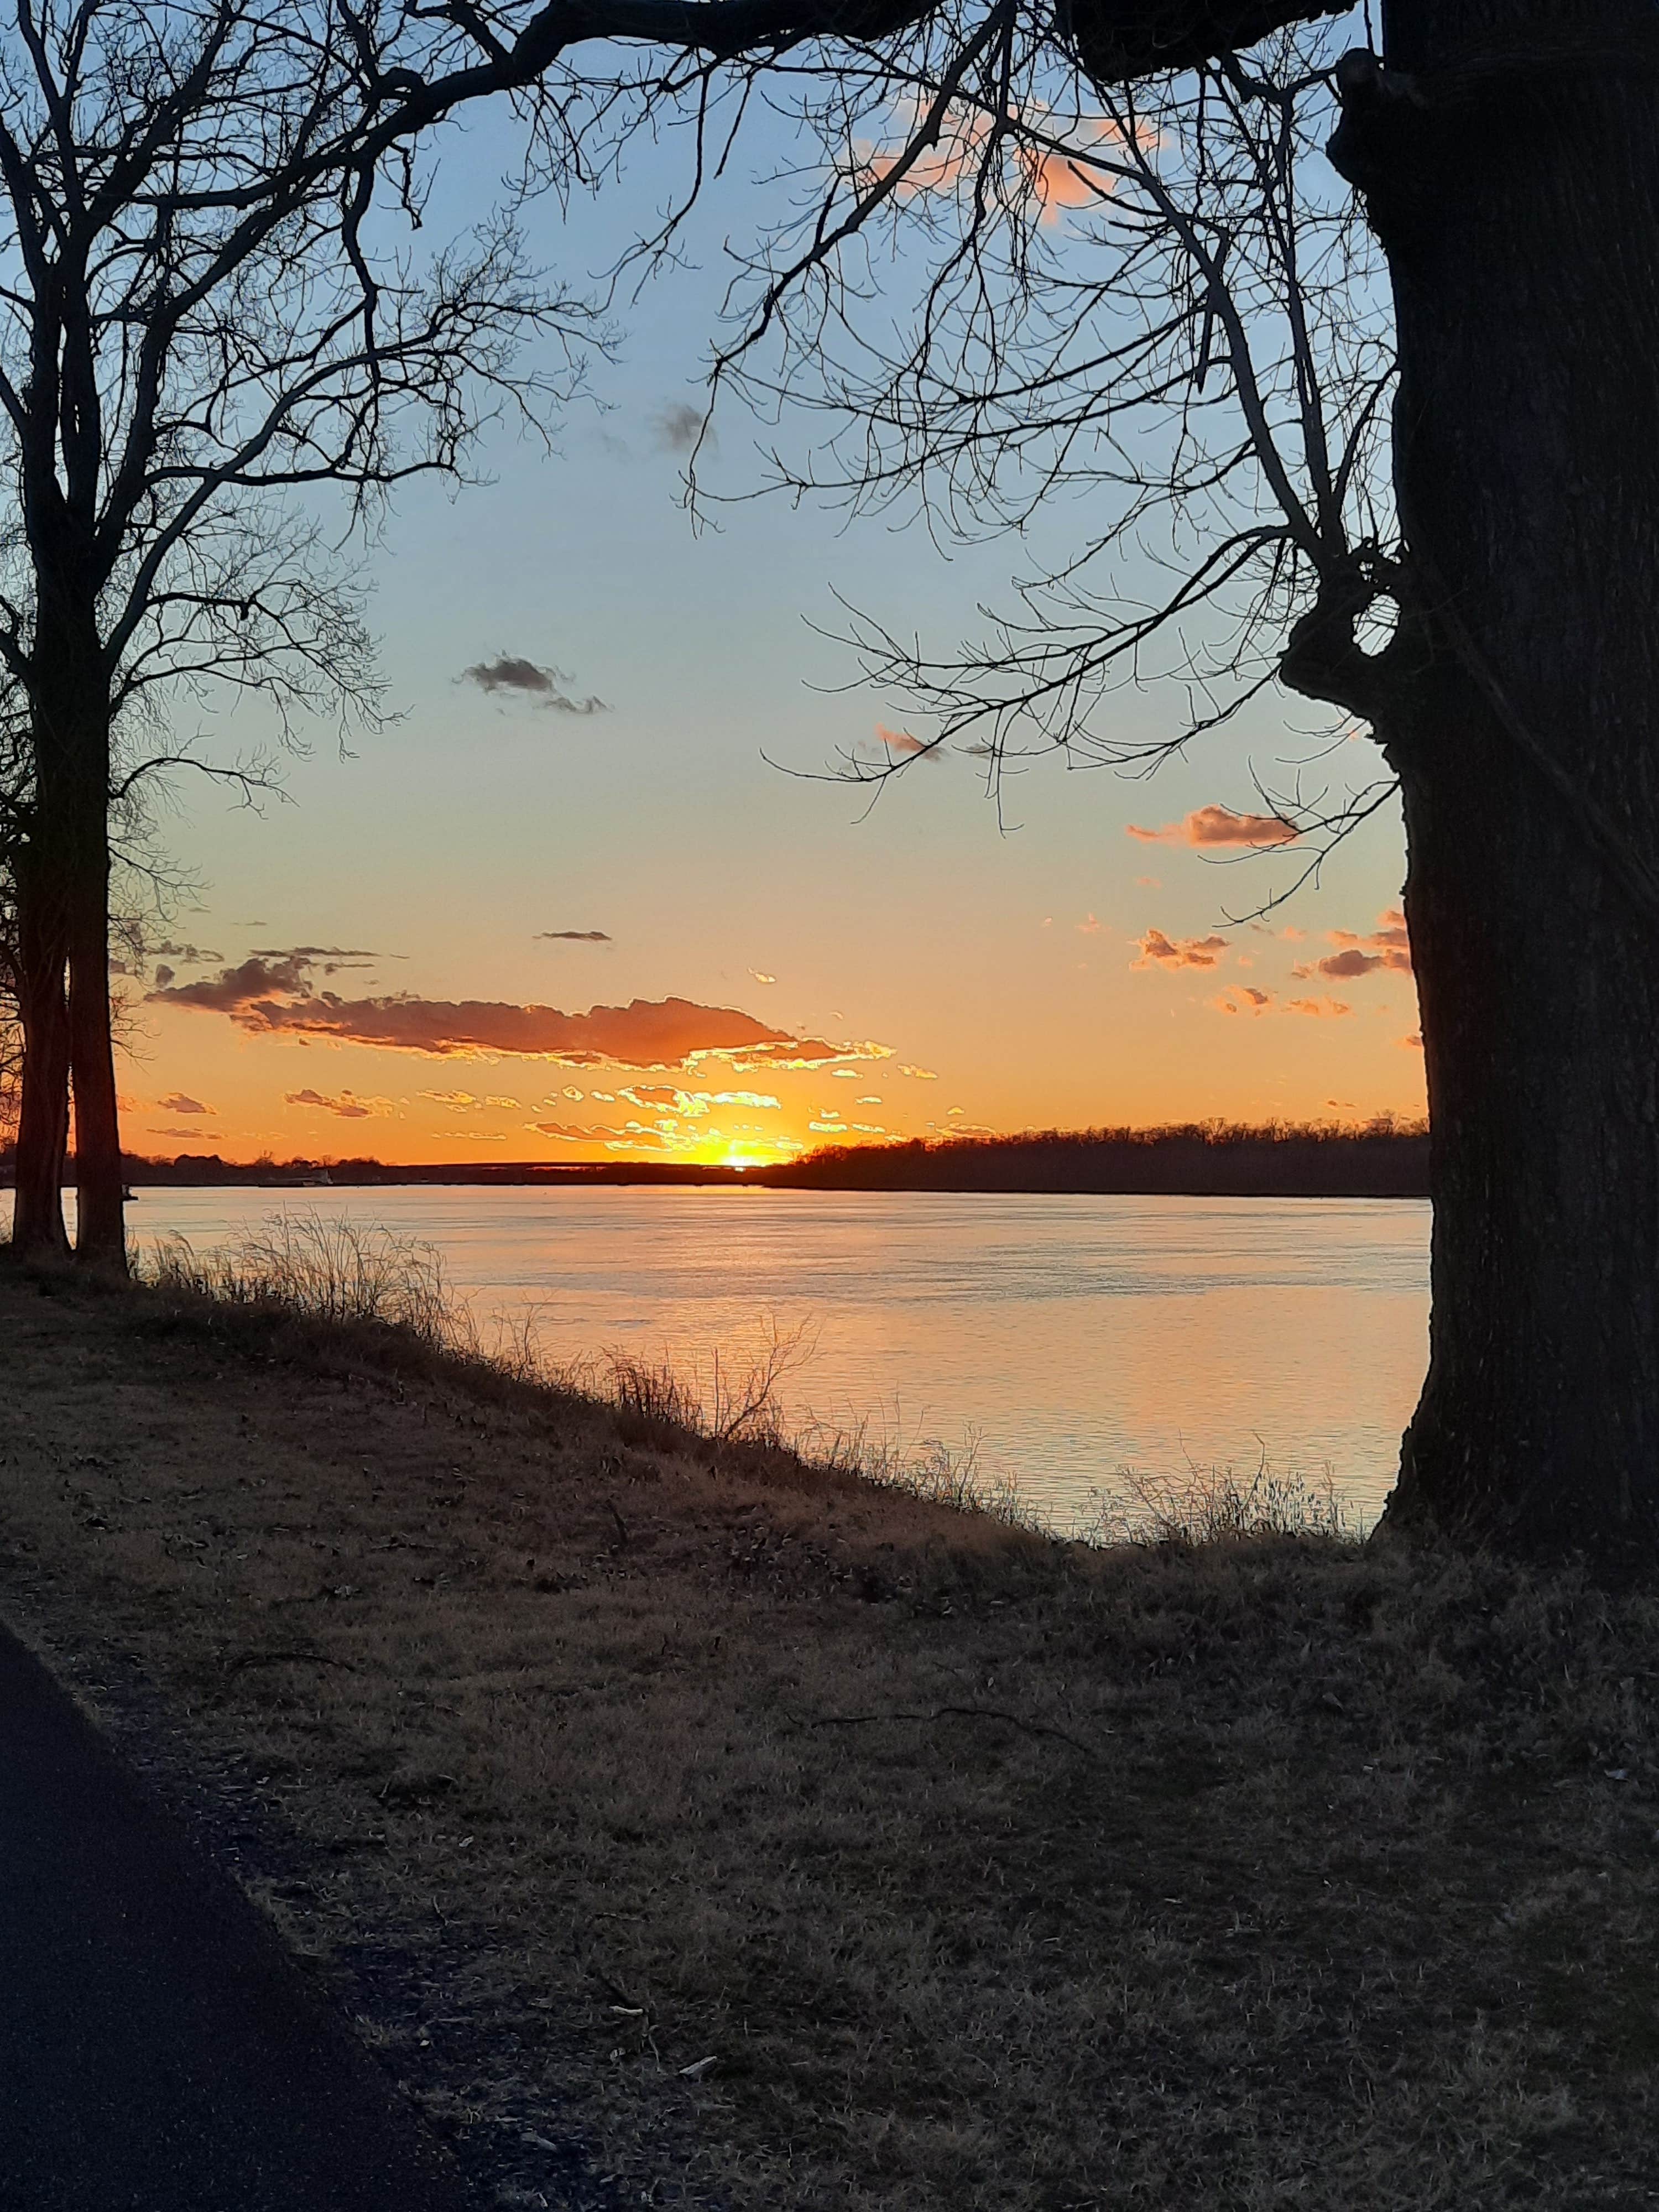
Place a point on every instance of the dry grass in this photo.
(392, 1293)
(1213, 1506)
(1228, 1868)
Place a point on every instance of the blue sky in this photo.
(1007, 959)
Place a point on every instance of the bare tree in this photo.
(217, 310)
(1383, 412)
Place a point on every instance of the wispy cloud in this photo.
(575, 937)
(331, 958)
(1242, 999)
(1157, 951)
(902, 743)
(511, 673)
(177, 1102)
(347, 1105)
(1220, 825)
(682, 426)
(693, 1105)
(678, 426)
(1050, 180)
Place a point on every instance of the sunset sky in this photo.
(564, 908)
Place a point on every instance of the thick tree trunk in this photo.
(1515, 183)
(43, 1125)
(99, 1224)
(71, 714)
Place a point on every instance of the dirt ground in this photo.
(684, 1830)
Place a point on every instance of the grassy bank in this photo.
(684, 1825)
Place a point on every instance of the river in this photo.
(1063, 1339)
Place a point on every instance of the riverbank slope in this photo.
(685, 1827)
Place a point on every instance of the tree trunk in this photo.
(37, 1230)
(100, 1225)
(1515, 184)
(70, 826)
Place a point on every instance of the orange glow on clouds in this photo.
(1135, 1039)
(1052, 179)
(1220, 826)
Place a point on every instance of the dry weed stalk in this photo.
(1213, 1506)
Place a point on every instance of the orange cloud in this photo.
(1242, 999)
(348, 1106)
(1052, 181)
(1158, 950)
(1387, 946)
(1220, 825)
(797, 1052)
(693, 1105)
(900, 741)
(1320, 1009)
(177, 1102)
(271, 995)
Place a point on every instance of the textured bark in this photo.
(99, 1217)
(69, 848)
(1517, 197)
(38, 1229)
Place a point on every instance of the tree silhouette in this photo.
(1384, 410)
(218, 312)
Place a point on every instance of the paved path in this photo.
(159, 2052)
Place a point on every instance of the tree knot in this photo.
(1382, 143)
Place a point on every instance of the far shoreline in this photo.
(1380, 1160)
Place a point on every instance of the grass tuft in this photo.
(320, 1268)
(1212, 1506)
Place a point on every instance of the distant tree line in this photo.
(1382, 1158)
(1207, 1159)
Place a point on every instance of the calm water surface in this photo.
(1070, 1337)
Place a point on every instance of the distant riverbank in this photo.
(1214, 1159)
